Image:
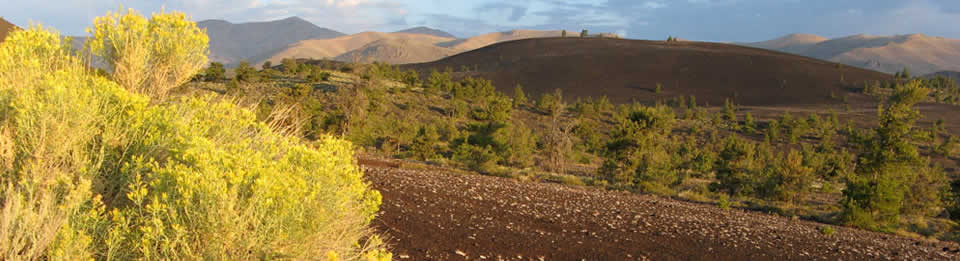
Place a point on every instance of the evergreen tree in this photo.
(891, 177)
(246, 73)
(290, 65)
(424, 144)
(215, 72)
(748, 123)
(519, 97)
(729, 111)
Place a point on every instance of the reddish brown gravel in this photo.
(442, 215)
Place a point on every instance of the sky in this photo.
(703, 20)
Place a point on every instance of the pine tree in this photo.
(215, 72)
(246, 73)
(424, 144)
(519, 97)
(891, 177)
(748, 123)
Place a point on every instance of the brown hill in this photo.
(919, 53)
(427, 31)
(475, 42)
(396, 51)
(5, 28)
(332, 48)
(626, 70)
(794, 43)
(396, 48)
(230, 43)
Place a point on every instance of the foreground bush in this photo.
(90, 170)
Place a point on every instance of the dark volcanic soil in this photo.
(628, 70)
(441, 215)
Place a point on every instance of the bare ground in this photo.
(435, 214)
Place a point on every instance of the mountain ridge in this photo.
(920, 53)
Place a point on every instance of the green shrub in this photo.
(551, 103)
(91, 171)
(827, 230)
(519, 97)
(496, 108)
(318, 75)
(246, 73)
(215, 72)
(478, 158)
(424, 144)
(290, 65)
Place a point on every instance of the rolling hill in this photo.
(919, 53)
(5, 28)
(627, 70)
(336, 47)
(492, 38)
(794, 43)
(396, 51)
(394, 48)
(230, 43)
(426, 31)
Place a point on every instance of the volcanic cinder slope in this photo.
(230, 43)
(628, 70)
(921, 54)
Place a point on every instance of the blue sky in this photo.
(707, 20)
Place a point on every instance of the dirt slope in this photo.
(5, 28)
(436, 215)
(626, 70)
(230, 43)
(331, 48)
(920, 53)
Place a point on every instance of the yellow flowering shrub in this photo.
(89, 170)
(149, 56)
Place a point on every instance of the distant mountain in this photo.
(472, 43)
(5, 28)
(230, 43)
(336, 47)
(426, 31)
(794, 43)
(919, 53)
(396, 51)
(395, 48)
(949, 74)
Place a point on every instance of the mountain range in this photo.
(920, 54)
(294, 37)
